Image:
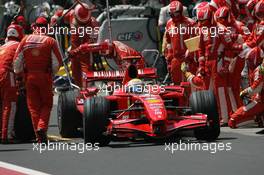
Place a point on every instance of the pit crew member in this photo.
(175, 47)
(256, 91)
(8, 90)
(39, 57)
(78, 18)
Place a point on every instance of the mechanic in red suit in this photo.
(257, 36)
(8, 90)
(39, 57)
(256, 91)
(251, 19)
(235, 63)
(79, 18)
(175, 49)
(212, 45)
(216, 4)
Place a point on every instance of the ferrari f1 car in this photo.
(154, 111)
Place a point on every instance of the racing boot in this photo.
(232, 123)
(41, 136)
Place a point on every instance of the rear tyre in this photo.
(204, 102)
(95, 120)
(69, 118)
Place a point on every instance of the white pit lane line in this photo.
(10, 169)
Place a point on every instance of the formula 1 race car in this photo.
(152, 112)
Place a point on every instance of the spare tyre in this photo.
(69, 118)
(204, 102)
(95, 120)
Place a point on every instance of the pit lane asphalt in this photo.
(129, 158)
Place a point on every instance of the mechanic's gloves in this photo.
(73, 52)
(184, 67)
(243, 93)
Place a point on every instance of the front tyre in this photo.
(95, 120)
(204, 102)
(69, 118)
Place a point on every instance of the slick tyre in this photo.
(69, 118)
(23, 124)
(204, 102)
(95, 120)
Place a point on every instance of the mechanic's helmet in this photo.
(204, 16)
(175, 10)
(20, 20)
(42, 21)
(199, 6)
(242, 6)
(222, 15)
(82, 13)
(40, 26)
(259, 10)
(215, 4)
(135, 86)
(250, 6)
(254, 57)
(15, 32)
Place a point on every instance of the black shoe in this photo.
(42, 136)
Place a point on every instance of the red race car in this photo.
(134, 106)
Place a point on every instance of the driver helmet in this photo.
(135, 86)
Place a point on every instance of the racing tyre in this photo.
(204, 102)
(23, 124)
(95, 120)
(69, 118)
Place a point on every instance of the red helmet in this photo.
(254, 57)
(215, 4)
(250, 6)
(40, 25)
(20, 20)
(200, 5)
(259, 10)
(82, 13)
(15, 32)
(41, 21)
(205, 16)
(222, 15)
(175, 10)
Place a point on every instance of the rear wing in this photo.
(118, 75)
